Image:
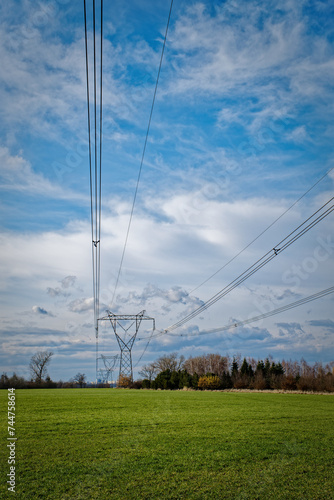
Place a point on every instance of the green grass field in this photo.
(128, 444)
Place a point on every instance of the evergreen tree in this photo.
(226, 381)
(194, 381)
(235, 368)
(162, 381)
(185, 379)
(260, 367)
(277, 369)
(4, 381)
(244, 370)
(267, 368)
(175, 379)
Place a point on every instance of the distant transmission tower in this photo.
(119, 323)
(104, 374)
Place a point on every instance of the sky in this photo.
(242, 128)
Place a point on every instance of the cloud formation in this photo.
(66, 283)
(326, 323)
(82, 305)
(40, 311)
(242, 128)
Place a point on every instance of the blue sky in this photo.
(242, 127)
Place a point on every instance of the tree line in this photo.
(39, 376)
(216, 372)
(207, 372)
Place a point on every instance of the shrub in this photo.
(259, 382)
(137, 384)
(289, 383)
(242, 382)
(305, 384)
(276, 381)
(146, 384)
(324, 383)
(124, 382)
(210, 382)
(329, 382)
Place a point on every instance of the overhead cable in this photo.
(100, 166)
(279, 310)
(143, 155)
(237, 323)
(95, 159)
(302, 229)
(145, 348)
(262, 232)
(89, 144)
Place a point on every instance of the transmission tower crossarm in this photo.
(126, 317)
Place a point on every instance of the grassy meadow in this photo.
(135, 444)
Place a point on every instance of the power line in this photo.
(96, 195)
(262, 233)
(235, 324)
(100, 166)
(279, 310)
(95, 177)
(145, 348)
(89, 146)
(143, 155)
(163, 332)
(271, 254)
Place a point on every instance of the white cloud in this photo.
(40, 311)
(160, 299)
(43, 84)
(56, 292)
(17, 174)
(299, 134)
(82, 305)
(36, 260)
(43, 77)
(68, 282)
(230, 56)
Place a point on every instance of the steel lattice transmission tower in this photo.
(119, 324)
(109, 363)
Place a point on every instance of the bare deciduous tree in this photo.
(208, 363)
(148, 371)
(38, 365)
(170, 362)
(80, 379)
